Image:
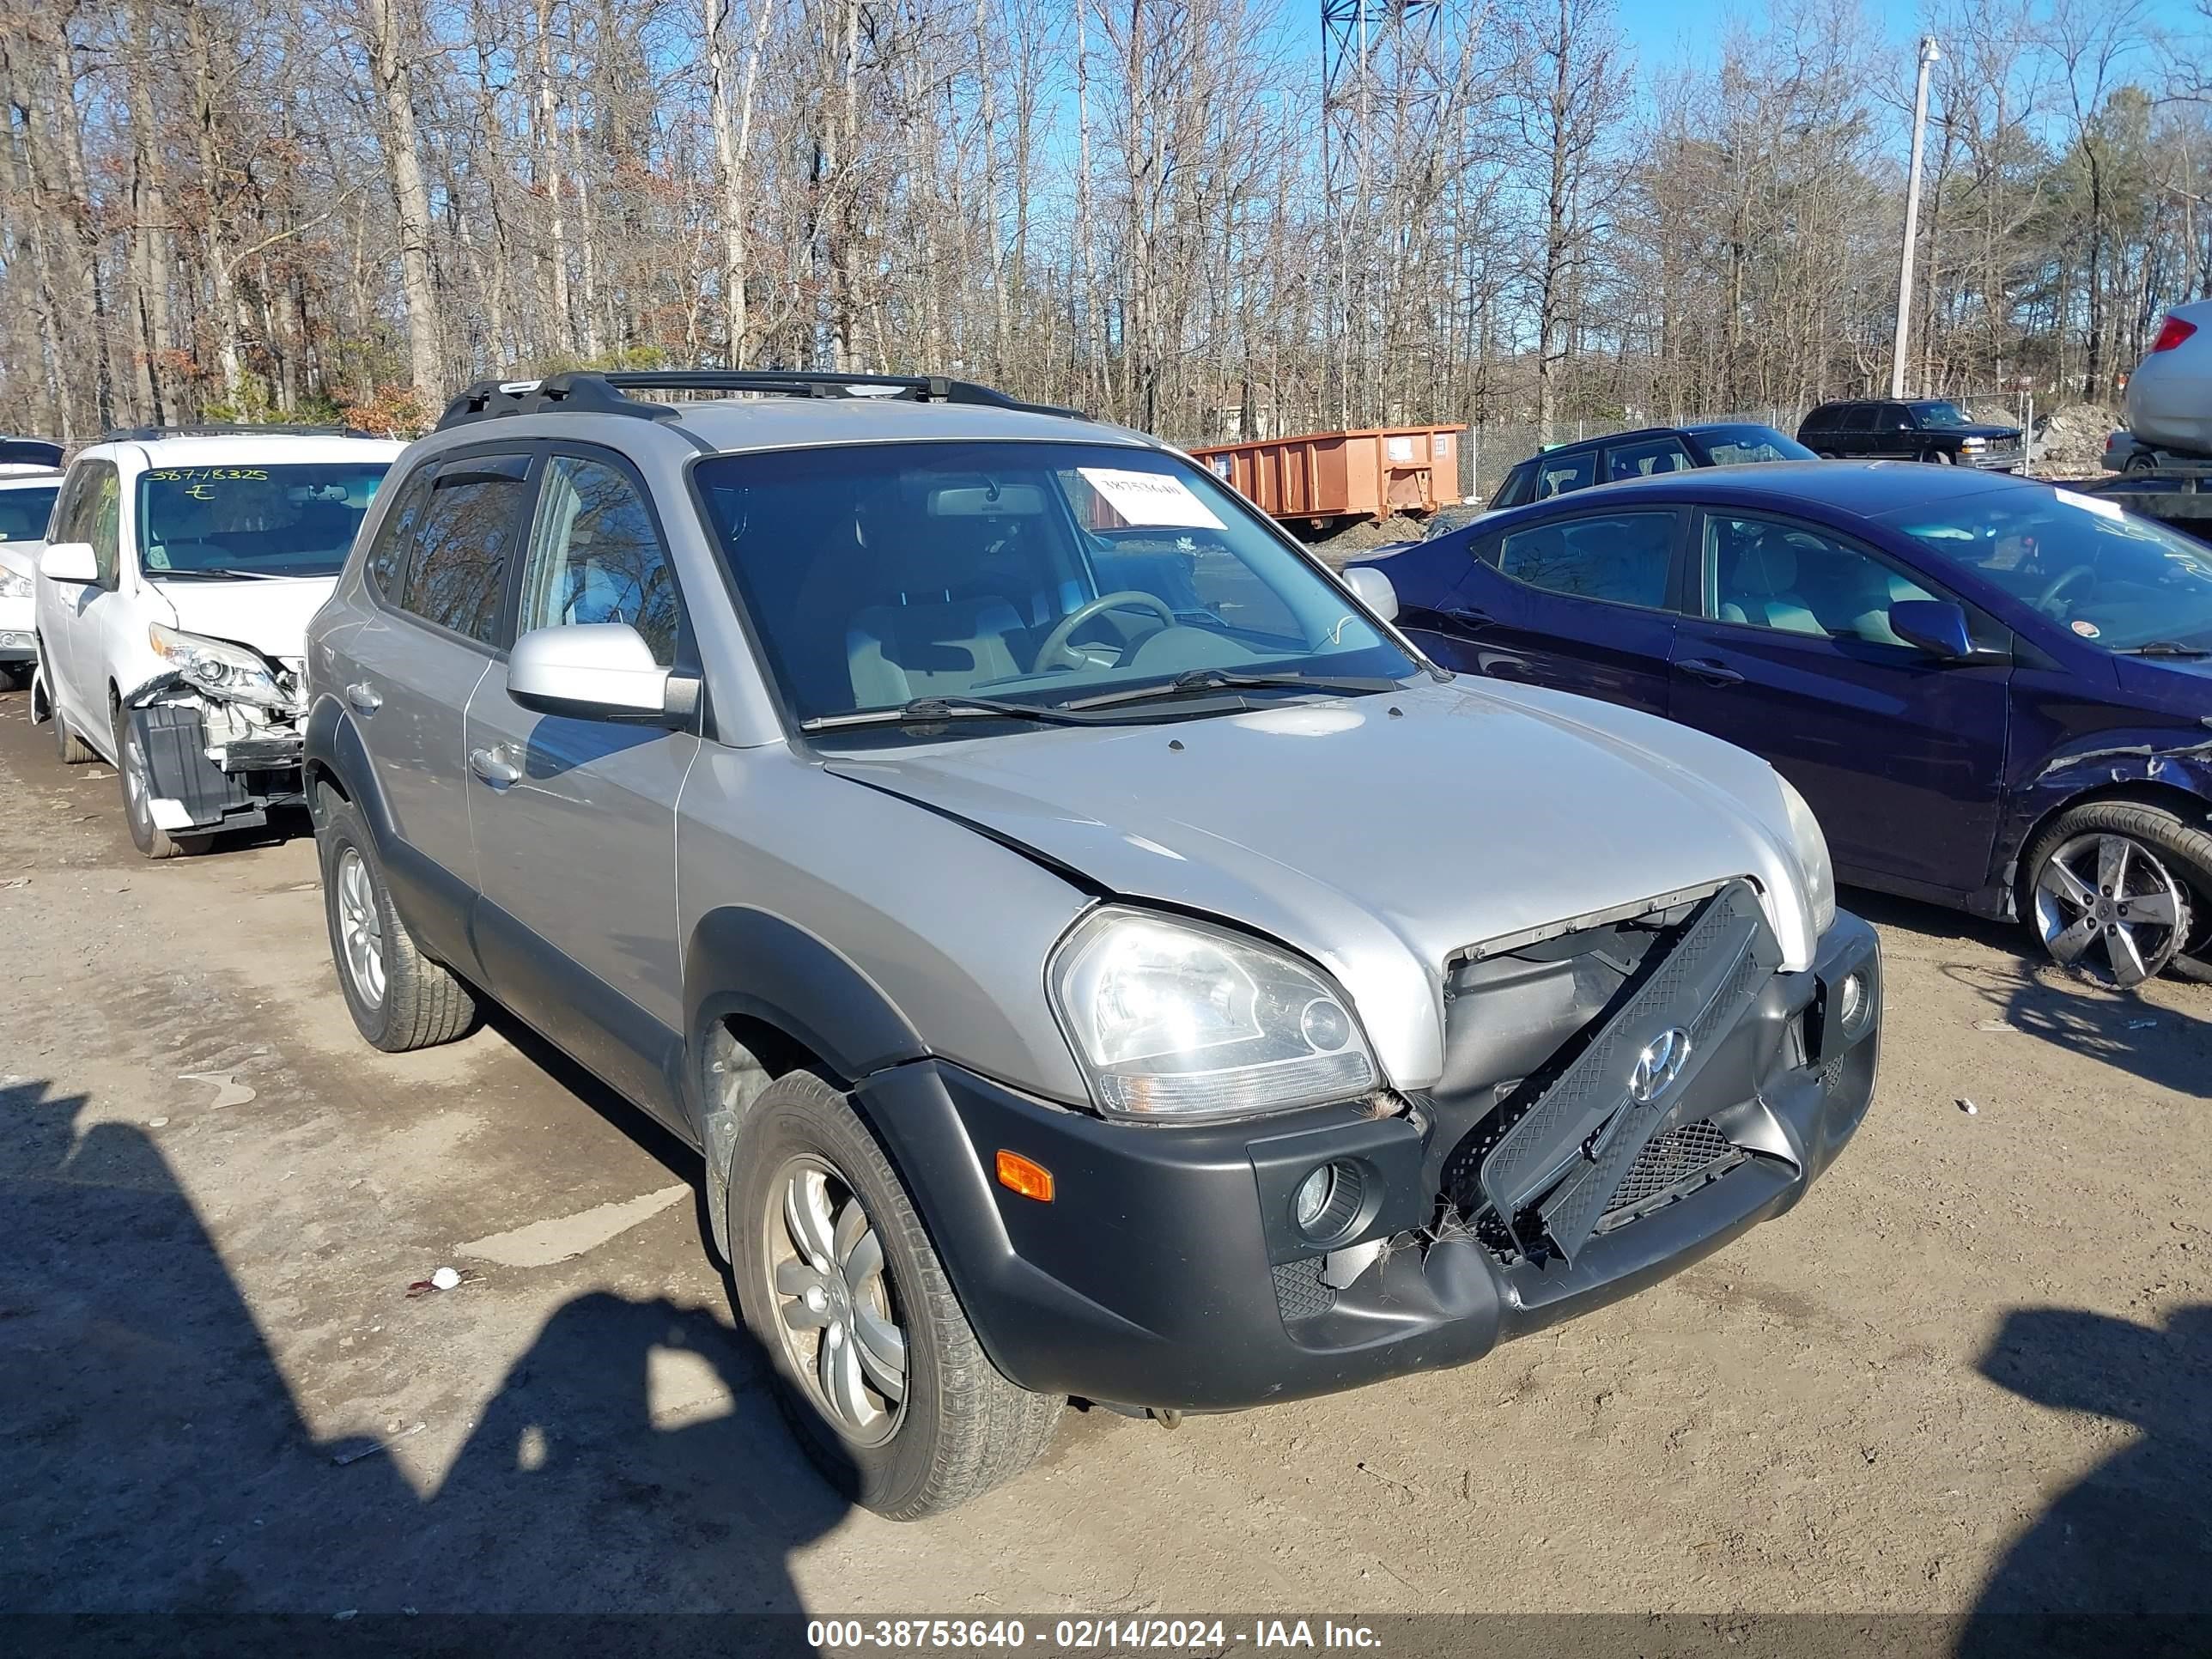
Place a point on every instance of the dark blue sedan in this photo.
(1994, 693)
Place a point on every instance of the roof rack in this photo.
(585, 391)
(123, 434)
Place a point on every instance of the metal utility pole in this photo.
(1930, 53)
(1379, 62)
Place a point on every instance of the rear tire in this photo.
(17, 675)
(836, 1278)
(2129, 936)
(398, 997)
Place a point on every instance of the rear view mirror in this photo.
(595, 672)
(70, 561)
(1374, 592)
(1936, 626)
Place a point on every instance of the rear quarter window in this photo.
(387, 556)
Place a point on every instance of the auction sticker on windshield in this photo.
(1150, 498)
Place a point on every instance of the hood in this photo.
(1381, 844)
(270, 615)
(1982, 429)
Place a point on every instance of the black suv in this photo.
(1927, 429)
(1638, 455)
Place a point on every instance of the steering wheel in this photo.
(1055, 653)
(2061, 583)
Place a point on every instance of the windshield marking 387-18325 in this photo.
(962, 579)
(296, 518)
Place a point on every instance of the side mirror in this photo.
(596, 671)
(1374, 592)
(1936, 626)
(70, 561)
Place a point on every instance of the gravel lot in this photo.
(1971, 1372)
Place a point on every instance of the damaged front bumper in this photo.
(212, 763)
(1170, 1272)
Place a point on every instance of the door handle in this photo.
(1472, 616)
(1711, 672)
(493, 766)
(363, 695)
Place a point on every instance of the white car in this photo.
(171, 608)
(2170, 394)
(26, 499)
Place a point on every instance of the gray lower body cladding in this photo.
(1169, 1270)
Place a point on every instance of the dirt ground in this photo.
(1970, 1374)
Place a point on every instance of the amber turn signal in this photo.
(1017, 1174)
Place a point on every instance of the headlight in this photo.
(226, 670)
(12, 587)
(1813, 854)
(1179, 1021)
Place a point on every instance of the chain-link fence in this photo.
(1492, 449)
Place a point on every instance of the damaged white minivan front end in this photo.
(217, 731)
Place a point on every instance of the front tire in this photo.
(398, 997)
(878, 1369)
(2112, 889)
(1943, 458)
(136, 778)
(72, 749)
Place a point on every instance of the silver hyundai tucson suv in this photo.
(1093, 954)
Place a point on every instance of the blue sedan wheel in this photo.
(2110, 896)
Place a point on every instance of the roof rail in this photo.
(122, 434)
(588, 391)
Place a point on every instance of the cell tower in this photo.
(1382, 90)
(1378, 70)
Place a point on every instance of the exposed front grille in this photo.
(1674, 1164)
(1298, 1289)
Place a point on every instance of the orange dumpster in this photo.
(1324, 476)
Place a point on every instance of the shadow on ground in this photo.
(152, 1457)
(2129, 1542)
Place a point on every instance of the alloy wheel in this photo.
(837, 1315)
(2110, 897)
(134, 774)
(361, 927)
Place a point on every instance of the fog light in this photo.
(1313, 1196)
(1328, 1203)
(1853, 1004)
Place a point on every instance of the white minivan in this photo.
(26, 499)
(171, 611)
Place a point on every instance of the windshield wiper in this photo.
(928, 710)
(1197, 680)
(215, 573)
(2165, 648)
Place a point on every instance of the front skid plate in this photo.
(1708, 979)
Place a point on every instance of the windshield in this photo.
(2120, 580)
(1735, 445)
(24, 513)
(263, 520)
(1033, 572)
(1940, 416)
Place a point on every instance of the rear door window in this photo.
(1645, 456)
(1623, 558)
(1556, 475)
(1856, 417)
(457, 575)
